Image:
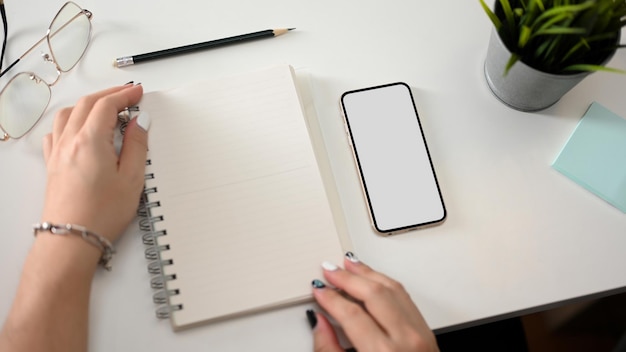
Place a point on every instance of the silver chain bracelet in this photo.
(100, 242)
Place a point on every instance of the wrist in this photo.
(65, 215)
(66, 256)
(74, 230)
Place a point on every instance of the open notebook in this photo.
(239, 197)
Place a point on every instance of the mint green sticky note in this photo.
(595, 155)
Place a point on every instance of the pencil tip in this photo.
(281, 31)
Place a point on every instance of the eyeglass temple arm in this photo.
(21, 57)
(5, 26)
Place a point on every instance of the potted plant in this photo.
(540, 49)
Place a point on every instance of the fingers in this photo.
(374, 310)
(135, 147)
(104, 104)
(84, 107)
(108, 106)
(60, 121)
(324, 337)
(355, 266)
(385, 300)
(351, 316)
(101, 105)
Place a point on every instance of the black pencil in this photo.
(135, 59)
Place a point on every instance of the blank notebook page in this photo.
(243, 203)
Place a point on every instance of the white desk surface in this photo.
(519, 235)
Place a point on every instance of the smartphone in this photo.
(392, 158)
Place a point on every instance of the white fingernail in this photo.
(143, 120)
(328, 266)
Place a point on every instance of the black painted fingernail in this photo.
(352, 257)
(312, 318)
(129, 82)
(351, 349)
(317, 284)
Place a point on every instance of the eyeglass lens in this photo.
(22, 103)
(26, 96)
(69, 36)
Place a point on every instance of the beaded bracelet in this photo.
(102, 243)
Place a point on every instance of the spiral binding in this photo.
(154, 250)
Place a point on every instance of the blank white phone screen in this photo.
(392, 157)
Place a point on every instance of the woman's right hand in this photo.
(380, 317)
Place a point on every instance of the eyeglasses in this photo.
(26, 96)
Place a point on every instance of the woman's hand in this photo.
(380, 317)
(88, 183)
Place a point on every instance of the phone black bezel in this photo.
(358, 162)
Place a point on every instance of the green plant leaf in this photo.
(565, 9)
(524, 36)
(550, 35)
(592, 68)
(492, 16)
(555, 19)
(537, 4)
(524, 5)
(512, 60)
(508, 14)
(582, 43)
(541, 49)
(560, 30)
(546, 60)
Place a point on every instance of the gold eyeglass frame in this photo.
(47, 58)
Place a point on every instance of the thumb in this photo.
(135, 147)
(324, 337)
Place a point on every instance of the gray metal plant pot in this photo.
(524, 88)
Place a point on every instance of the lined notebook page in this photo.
(244, 206)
